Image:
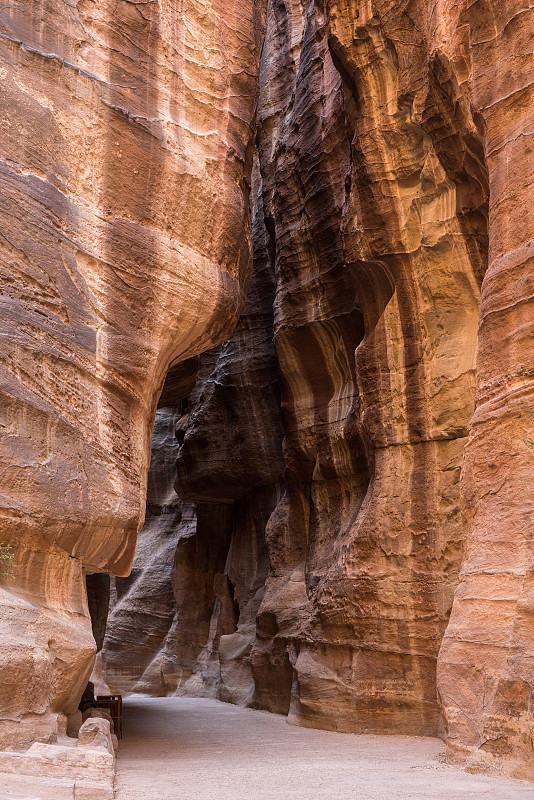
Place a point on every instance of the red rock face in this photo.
(486, 677)
(412, 237)
(126, 151)
(396, 218)
(352, 544)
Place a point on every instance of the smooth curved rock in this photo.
(125, 156)
(354, 464)
(396, 217)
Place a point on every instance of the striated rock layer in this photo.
(350, 494)
(228, 439)
(486, 666)
(349, 542)
(125, 157)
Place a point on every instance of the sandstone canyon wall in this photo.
(229, 444)
(349, 537)
(356, 551)
(125, 158)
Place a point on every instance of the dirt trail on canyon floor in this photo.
(196, 749)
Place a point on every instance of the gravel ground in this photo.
(192, 749)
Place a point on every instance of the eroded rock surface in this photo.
(125, 156)
(376, 475)
(207, 563)
(486, 668)
(349, 542)
(142, 605)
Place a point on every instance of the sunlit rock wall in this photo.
(394, 217)
(377, 132)
(486, 665)
(125, 157)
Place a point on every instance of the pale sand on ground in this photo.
(192, 749)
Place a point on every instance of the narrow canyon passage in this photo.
(267, 398)
(197, 749)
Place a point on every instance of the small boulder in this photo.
(96, 732)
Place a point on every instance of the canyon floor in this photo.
(195, 749)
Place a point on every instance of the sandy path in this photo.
(189, 749)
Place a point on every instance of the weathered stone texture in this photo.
(207, 561)
(125, 158)
(341, 517)
(349, 540)
(142, 605)
(66, 771)
(486, 670)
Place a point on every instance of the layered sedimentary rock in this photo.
(486, 668)
(126, 150)
(383, 131)
(230, 467)
(353, 465)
